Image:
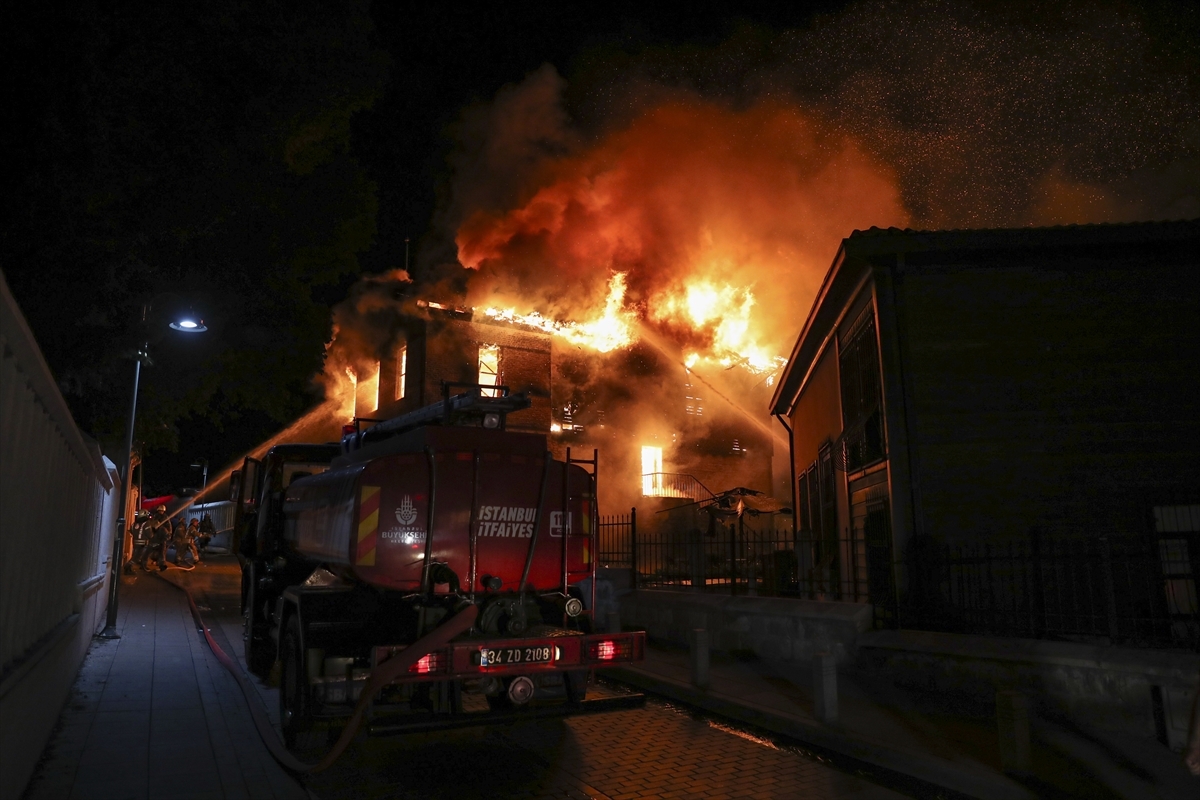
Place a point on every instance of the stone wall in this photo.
(1108, 687)
(771, 627)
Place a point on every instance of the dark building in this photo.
(1019, 392)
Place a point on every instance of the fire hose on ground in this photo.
(382, 675)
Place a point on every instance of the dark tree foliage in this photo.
(189, 155)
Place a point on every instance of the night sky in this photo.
(252, 163)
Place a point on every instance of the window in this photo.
(401, 371)
(802, 520)
(858, 365)
(692, 402)
(489, 368)
(378, 385)
(652, 467)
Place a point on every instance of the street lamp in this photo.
(187, 324)
(202, 463)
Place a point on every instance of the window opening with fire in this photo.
(693, 404)
(652, 468)
(378, 385)
(489, 368)
(401, 371)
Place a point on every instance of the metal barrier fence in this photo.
(1113, 589)
(616, 541)
(1135, 591)
(753, 556)
(220, 512)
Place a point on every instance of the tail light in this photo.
(429, 664)
(607, 649)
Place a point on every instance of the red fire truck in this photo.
(353, 553)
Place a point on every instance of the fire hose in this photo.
(381, 676)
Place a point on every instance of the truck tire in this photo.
(295, 707)
(259, 649)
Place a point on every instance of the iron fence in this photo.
(1113, 589)
(616, 541)
(753, 555)
(1134, 591)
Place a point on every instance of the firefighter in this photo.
(207, 532)
(142, 531)
(160, 536)
(193, 533)
(180, 539)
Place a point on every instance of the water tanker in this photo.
(354, 553)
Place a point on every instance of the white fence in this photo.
(58, 499)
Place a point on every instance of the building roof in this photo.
(862, 248)
(878, 241)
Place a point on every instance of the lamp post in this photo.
(202, 464)
(188, 324)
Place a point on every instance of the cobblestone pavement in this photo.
(656, 752)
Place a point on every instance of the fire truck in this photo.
(358, 552)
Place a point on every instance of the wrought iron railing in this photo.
(1107, 588)
(671, 484)
(1133, 591)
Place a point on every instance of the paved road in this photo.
(655, 752)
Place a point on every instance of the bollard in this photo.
(613, 621)
(825, 700)
(699, 658)
(1012, 722)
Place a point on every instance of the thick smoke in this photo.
(691, 190)
(749, 162)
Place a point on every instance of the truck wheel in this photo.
(295, 710)
(575, 682)
(259, 649)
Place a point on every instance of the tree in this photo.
(195, 155)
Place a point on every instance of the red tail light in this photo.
(430, 663)
(615, 649)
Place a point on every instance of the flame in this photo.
(652, 467)
(611, 329)
(701, 210)
(724, 314)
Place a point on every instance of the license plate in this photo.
(500, 656)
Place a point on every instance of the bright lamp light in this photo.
(189, 325)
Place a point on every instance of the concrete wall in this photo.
(58, 515)
(1107, 687)
(771, 627)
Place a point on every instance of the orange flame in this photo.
(700, 211)
(611, 330)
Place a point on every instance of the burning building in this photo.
(666, 431)
(997, 429)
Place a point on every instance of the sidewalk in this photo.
(154, 715)
(922, 735)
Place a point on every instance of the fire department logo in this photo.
(406, 513)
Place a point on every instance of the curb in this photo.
(924, 768)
